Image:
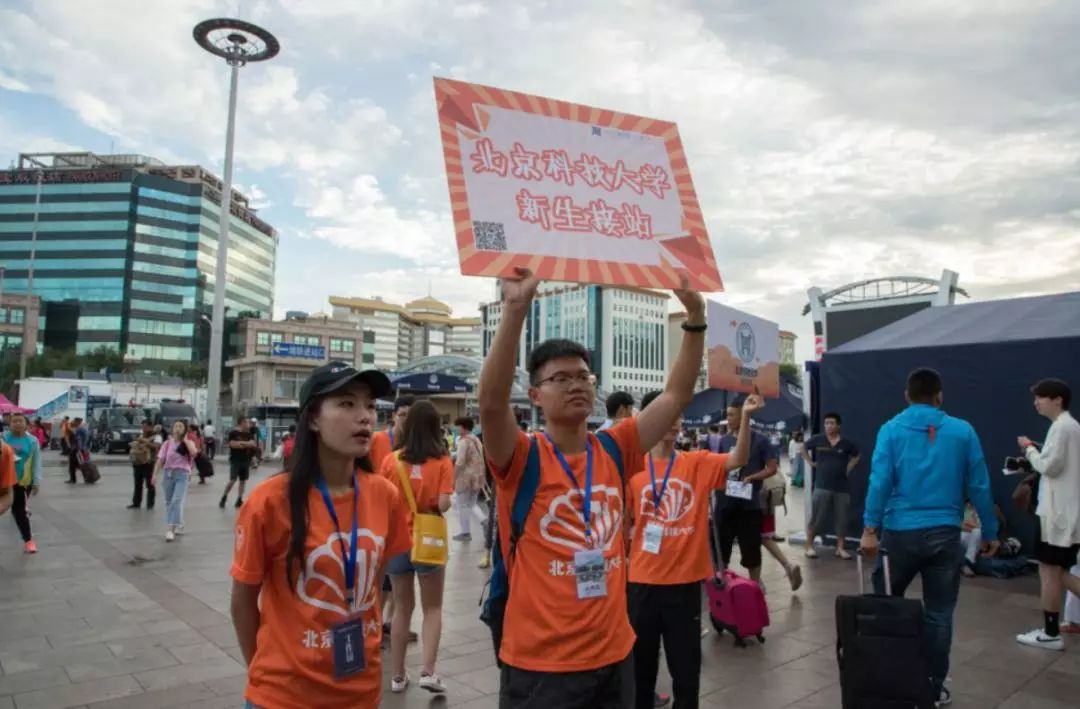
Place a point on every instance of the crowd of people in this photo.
(599, 541)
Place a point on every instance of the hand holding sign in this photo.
(691, 300)
(753, 403)
(520, 288)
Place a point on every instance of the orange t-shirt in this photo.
(380, 448)
(684, 514)
(547, 628)
(433, 477)
(294, 660)
(7, 466)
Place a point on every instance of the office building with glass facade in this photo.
(624, 329)
(124, 250)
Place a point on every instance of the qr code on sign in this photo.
(490, 236)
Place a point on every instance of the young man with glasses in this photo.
(567, 639)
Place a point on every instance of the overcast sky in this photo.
(829, 141)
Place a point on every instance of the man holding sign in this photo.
(566, 637)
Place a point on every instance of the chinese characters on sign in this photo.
(292, 349)
(572, 192)
(743, 351)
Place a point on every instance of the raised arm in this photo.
(741, 453)
(657, 418)
(497, 419)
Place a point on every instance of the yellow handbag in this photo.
(430, 537)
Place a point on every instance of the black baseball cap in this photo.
(332, 376)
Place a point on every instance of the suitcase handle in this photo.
(885, 567)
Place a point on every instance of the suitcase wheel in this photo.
(716, 626)
(740, 642)
(761, 639)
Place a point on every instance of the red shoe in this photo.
(1070, 629)
(30, 547)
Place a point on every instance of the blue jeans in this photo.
(936, 554)
(176, 483)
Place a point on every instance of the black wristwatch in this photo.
(695, 328)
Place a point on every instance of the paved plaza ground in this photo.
(108, 615)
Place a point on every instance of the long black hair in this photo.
(423, 436)
(304, 471)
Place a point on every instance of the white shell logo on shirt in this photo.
(678, 500)
(330, 574)
(239, 538)
(564, 523)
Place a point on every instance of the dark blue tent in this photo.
(989, 354)
(710, 406)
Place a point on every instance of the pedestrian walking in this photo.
(175, 461)
(242, 449)
(925, 465)
(78, 447)
(1058, 510)
(209, 438)
(424, 464)
(309, 630)
(144, 451)
(25, 452)
(468, 475)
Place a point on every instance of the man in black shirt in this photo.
(242, 448)
(833, 458)
(739, 513)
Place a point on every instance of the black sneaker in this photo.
(239, 501)
(224, 499)
(133, 507)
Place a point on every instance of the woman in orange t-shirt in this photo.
(422, 458)
(311, 548)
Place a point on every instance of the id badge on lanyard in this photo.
(590, 572)
(347, 636)
(654, 531)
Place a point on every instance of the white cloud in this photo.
(826, 146)
(10, 83)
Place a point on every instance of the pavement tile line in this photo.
(154, 593)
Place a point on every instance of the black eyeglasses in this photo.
(564, 380)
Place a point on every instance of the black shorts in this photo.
(744, 526)
(1048, 554)
(239, 471)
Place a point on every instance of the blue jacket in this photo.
(926, 464)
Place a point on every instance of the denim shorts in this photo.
(402, 564)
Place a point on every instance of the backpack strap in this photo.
(611, 447)
(526, 493)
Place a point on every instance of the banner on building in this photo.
(743, 351)
(572, 192)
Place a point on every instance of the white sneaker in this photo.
(944, 699)
(170, 536)
(432, 683)
(400, 684)
(179, 530)
(1037, 638)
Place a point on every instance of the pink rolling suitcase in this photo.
(736, 604)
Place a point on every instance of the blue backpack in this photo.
(493, 607)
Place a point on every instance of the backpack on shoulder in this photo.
(493, 605)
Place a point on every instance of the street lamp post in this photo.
(30, 280)
(238, 43)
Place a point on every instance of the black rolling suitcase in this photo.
(879, 647)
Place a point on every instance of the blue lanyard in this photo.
(390, 433)
(348, 557)
(587, 504)
(657, 496)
